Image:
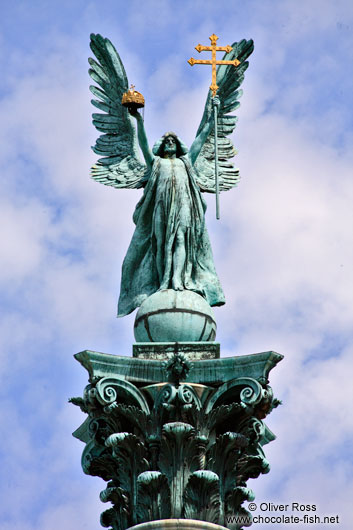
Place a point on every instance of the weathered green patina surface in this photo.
(175, 316)
(175, 439)
(256, 366)
(170, 248)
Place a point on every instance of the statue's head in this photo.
(169, 145)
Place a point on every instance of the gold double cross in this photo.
(213, 48)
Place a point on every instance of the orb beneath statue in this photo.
(175, 316)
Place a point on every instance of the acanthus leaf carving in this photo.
(114, 519)
(131, 456)
(97, 461)
(118, 516)
(174, 449)
(201, 499)
(222, 459)
(234, 500)
(251, 466)
(177, 460)
(153, 496)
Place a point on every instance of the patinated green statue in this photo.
(170, 248)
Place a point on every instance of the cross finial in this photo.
(213, 48)
(213, 39)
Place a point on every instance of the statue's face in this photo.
(170, 146)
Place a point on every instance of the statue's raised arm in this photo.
(120, 165)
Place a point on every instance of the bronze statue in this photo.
(170, 248)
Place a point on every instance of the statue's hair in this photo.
(158, 148)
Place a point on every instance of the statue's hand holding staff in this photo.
(216, 101)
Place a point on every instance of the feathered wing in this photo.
(120, 165)
(229, 79)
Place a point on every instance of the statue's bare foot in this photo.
(177, 285)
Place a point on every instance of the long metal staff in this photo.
(215, 104)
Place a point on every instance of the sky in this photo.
(282, 248)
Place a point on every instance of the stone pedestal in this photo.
(160, 351)
(175, 432)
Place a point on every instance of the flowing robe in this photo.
(171, 202)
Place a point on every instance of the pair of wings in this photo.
(120, 165)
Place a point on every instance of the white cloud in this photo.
(24, 229)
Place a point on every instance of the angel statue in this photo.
(170, 248)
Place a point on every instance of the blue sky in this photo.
(283, 247)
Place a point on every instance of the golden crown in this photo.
(133, 99)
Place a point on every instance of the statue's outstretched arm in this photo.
(142, 138)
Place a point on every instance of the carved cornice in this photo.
(214, 371)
